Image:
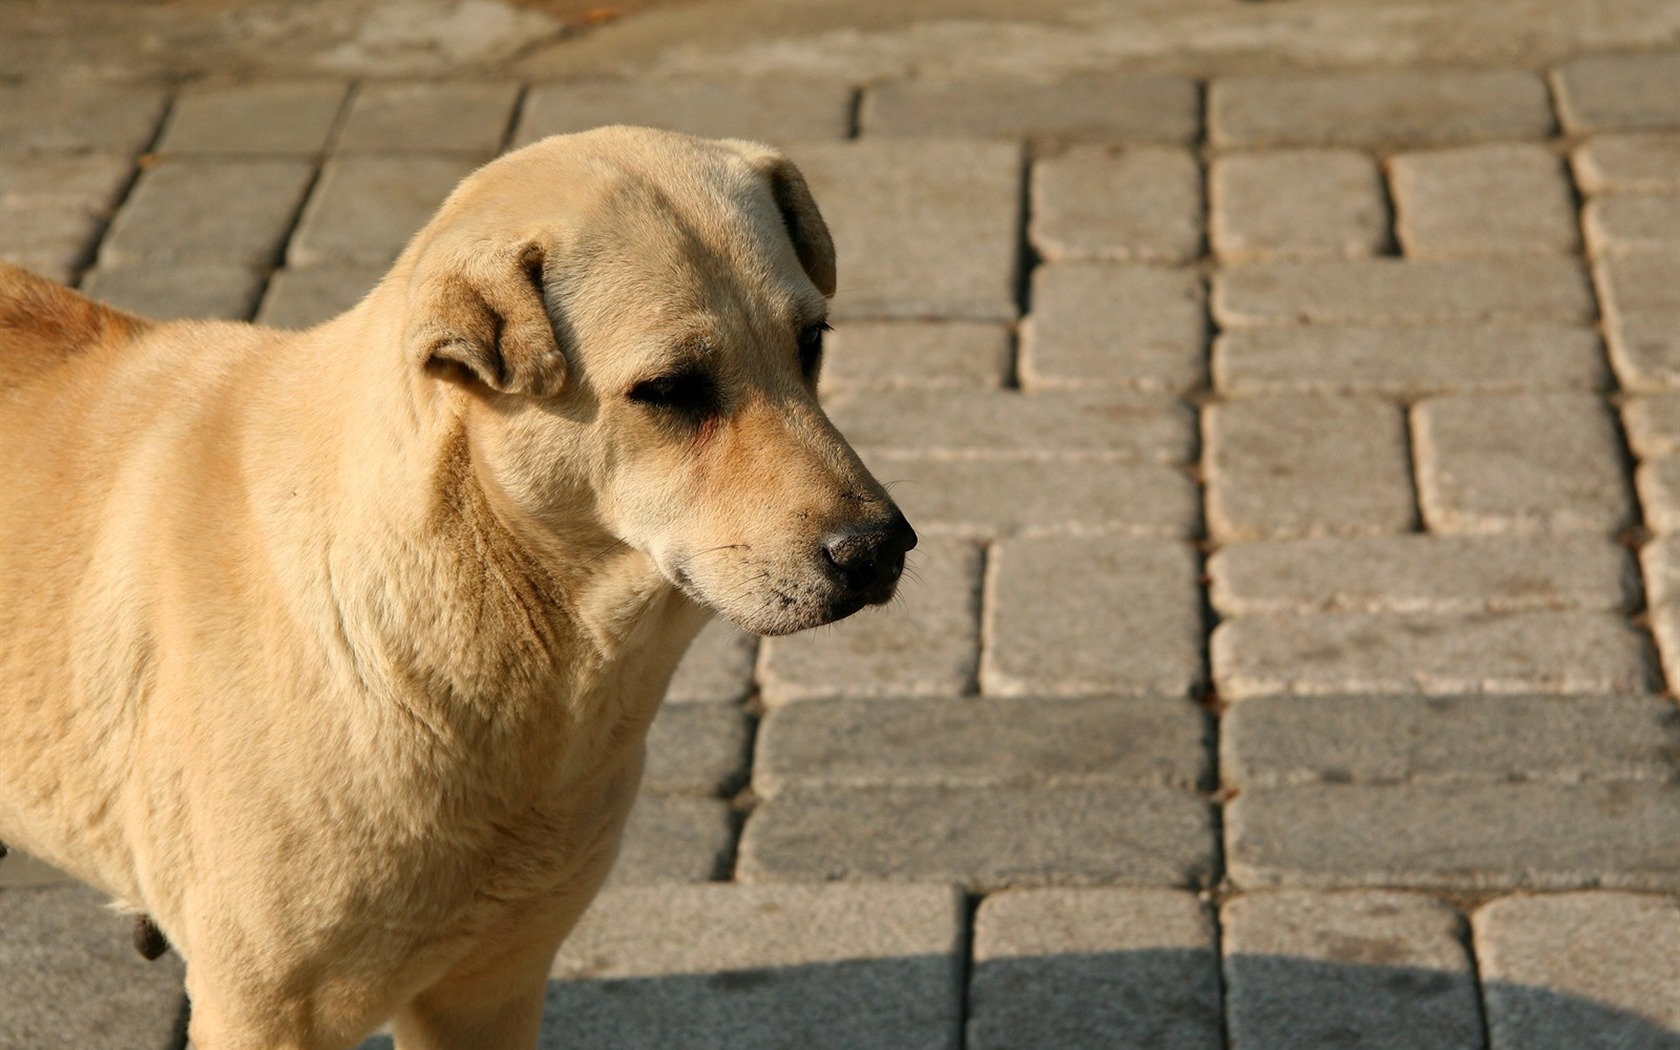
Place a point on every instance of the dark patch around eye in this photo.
(811, 349)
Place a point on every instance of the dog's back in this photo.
(43, 324)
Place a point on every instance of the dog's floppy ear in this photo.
(804, 222)
(485, 316)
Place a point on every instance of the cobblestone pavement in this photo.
(1297, 457)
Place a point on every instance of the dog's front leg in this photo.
(493, 1009)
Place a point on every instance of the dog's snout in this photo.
(870, 557)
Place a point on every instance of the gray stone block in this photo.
(70, 117)
(1628, 163)
(190, 210)
(921, 229)
(718, 667)
(1456, 836)
(72, 977)
(20, 870)
(1404, 292)
(1665, 627)
(1632, 222)
(1120, 204)
(1304, 465)
(87, 182)
(984, 839)
(1637, 284)
(1296, 204)
(1580, 969)
(1658, 482)
(1526, 461)
(53, 242)
(1086, 616)
(1004, 424)
(1660, 561)
(189, 290)
(1483, 200)
(917, 353)
(1380, 971)
(770, 108)
(365, 208)
(988, 498)
(696, 749)
(1377, 107)
(762, 968)
(1425, 574)
(675, 838)
(303, 298)
(1619, 92)
(1408, 361)
(1104, 107)
(273, 117)
(926, 642)
(837, 745)
(1652, 425)
(1386, 653)
(1284, 740)
(1089, 968)
(1094, 324)
(1645, 348)
(449, 117)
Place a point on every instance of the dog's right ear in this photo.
(805, 225)
(484, 318)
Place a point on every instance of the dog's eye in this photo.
(811, 349)
(690, 392)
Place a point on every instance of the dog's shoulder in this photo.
(43, 324)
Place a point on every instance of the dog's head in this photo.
(633, 323)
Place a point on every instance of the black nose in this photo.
(869, 557)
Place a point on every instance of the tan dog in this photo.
(334, 651)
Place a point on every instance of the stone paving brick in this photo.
(984, 839)
(1529, 652)
(303, 298)
(1531, 461)
(1094, 324)
(20, 870)
(52, 242)
(365, 208)
(1642, 316)
(1631, 163)
(696, 749)
(1425, 574)
(1103, 107)
(1658, 482)
(1580, 969)
(1004, 424)
(925, 643)
(917, 353)
(1619, 92)
(761, 968)
(921, 229)
(449, 117)
(1660, 562)
(718, 667)
(72, 977)
(1652, 424)
(189, 290)
(1380, 971)
(1483, 200)
(294, 118)
(1303, 465)
(1296, 204)
(1377, 107)
(988, 498)
(187, 210)
(1630, 222)
(1080, 616)
(1404, 291)
(773, 109)
(982, 743)
(1665, 627)
(1457, 836)
(1638, 284)
(1126, 204)
(675, 838)
(1283, 740)
(1408, 362)
(88, 182)
(69, 117)
(1088, 968)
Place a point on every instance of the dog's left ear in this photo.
(485, 317)
(804, 222)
